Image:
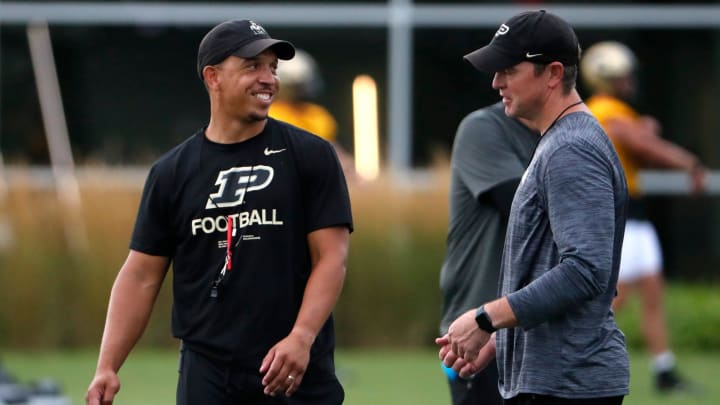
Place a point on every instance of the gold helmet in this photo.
(605, 61)
(299, 76)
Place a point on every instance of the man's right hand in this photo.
(103, 388)
(464, 368)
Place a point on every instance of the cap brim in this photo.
(284, 49)
(490, 59)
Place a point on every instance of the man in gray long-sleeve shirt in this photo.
(556, 341)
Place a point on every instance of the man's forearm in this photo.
(321, 294)
(129, 310)
(328, 251)
(501, 313)
(569, 284)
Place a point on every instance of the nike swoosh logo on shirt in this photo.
(269, 152)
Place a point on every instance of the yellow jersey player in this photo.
(300, 85)
(608, 71)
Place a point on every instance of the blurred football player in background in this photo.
(608, 69)
(296, 103)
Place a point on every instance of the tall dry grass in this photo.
(52, 297)
(391, 294)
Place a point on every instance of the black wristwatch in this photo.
(483, 320)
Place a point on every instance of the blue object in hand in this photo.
(449, 372)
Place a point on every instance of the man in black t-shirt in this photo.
(254, 216)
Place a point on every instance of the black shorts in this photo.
(535, 399)
(204, 381)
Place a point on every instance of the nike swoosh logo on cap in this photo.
(532, 55)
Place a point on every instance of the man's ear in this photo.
(557, 70)
(210, 76)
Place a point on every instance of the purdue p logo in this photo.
(235, 182)
(502, 30)
(257, 29)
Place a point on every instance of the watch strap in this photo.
(483, 320)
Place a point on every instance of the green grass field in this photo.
(375, 377)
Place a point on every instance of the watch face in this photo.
(483, 321)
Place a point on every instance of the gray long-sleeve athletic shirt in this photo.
(490, 148)
(560, 268)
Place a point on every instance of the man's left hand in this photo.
(466, 339)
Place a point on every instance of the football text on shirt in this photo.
(240, 220)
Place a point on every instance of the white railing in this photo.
(680, 15)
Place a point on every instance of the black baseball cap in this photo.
(243, 38)
(533, 36)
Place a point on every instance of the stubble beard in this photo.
(253, 118)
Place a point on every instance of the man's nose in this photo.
(267, 74)
(497, 81)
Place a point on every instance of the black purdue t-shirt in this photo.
(277, 187)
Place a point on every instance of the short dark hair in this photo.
(569, 75)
